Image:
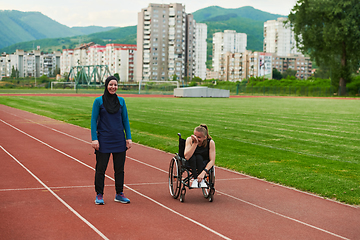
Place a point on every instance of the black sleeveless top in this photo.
(203, 151)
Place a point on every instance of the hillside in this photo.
(91, 29)
(245, 20)
(125, 35)
(17, 26)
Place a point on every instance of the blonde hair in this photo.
(205, 131)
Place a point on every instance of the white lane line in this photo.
(281, 215)
(65, 187)
(250, 177)
(154, 201)
(289, 188)
(181, 215)
(146, 164)
(323, 230)
(56, 196)
(53, 129)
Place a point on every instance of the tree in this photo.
(117, 76)
(322, 72)
(174, 77)
(14, 72)
(196, 79)
(289, 73)
(276, 74)
(329, 32)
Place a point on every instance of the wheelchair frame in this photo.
(180, 175)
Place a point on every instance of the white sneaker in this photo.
(203, 184)
(196, 184)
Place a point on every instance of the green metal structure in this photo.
(89, 74)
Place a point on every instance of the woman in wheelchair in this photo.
(196, 155)
(200, 153)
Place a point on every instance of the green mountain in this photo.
(17, 26)
(245, 20)
(91, 29)
(125, 35)
(210, 13)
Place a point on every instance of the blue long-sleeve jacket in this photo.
(109, 128)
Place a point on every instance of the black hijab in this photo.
(110, 101)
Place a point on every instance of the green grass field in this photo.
(310, 144)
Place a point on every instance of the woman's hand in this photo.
(128, 143)
(201, 176)
(194, 139)
(95, 144)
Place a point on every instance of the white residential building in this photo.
(95, 55)
(66, 61)
(3, 66)
(224, 42)
(279, 38)
(200, 50)
(80, 54)
(165, 43)
(29, 64)
(118, 57)
(259, 64)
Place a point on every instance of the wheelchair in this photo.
(180, 175)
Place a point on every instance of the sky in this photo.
(122, 13)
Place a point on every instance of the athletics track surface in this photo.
(46, 192)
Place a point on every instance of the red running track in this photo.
(46, 192)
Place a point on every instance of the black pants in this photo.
(102, 160)
(197, 165)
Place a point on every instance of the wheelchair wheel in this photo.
(174, 178)
(209, 191)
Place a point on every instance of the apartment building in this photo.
(224, 42)
(95, 55)
(200, 50)
(239, 66)
(66, 61)
(3, 65)
(259, 64)
(190, 45)
(279, 38)
(49, 63)
(29, 64)
(234, 67)
(166, 38)
(80, 54)
(119, 58)
(296, 62)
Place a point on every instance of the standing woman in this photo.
(109, 120)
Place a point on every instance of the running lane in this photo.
(47, 193)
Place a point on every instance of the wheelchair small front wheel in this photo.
(211, 198)
(209, 191)
(182, 195)
(205, 192)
